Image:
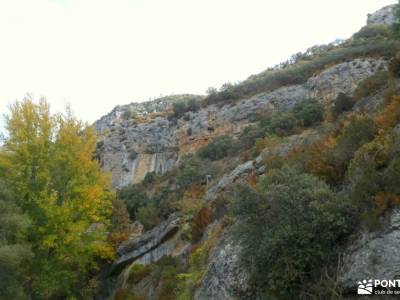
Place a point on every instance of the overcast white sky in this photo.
(96, 54)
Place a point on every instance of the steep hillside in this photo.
(283, 186)
(130, 150)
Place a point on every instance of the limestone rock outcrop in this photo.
(342, 78)
(129, 150)
(384, 16)
(373, 255)
(225, 279)
(163, 239)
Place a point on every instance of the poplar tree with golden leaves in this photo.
(50, 167)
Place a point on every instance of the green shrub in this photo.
(134, 198)
(371, 85)
(280, 123)
(342, 103)
(148, 215)
(149, 179)
(190, 172)
(181, 107)
(169, 283)
(309, 112)
(219, 148)
(394, 66)
(372, 31)
(137, 272)
(359, 131)
(374, 175)
(249, 136)
(15, 253)
(289, 228)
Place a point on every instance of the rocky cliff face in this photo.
(373, 255)
(225, 278)
(141, 138)
(385, 15)
(129, 148)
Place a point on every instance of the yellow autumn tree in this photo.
(60, 187)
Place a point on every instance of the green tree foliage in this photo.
(60, 188)
(280, 123)
(359, 131)
(373, 174)
(181, 107)
(148, 215)
(394, 66)
(219, 148)
(289, 227)
(134, 197)
(149, 179)
(120, 223)
(191, 171)
(309, 112)
(342, 103)
(15, 252)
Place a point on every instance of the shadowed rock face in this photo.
(384, 16)
(373, 255)
(130, 150)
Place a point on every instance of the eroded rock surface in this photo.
(225, 278)
(384, 16)
(150, 246)
(130, 150)
(342, 78)
(373, 255)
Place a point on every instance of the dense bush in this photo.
(359, 131)
(309, 112)
(342, 103)
(390, 115)
(192, 171)
(289, 229)
(15, 254)
(134, 198)
(181, 107)
(249, 135)
(371, 85)
(394, 66)
(372, 31)
(374, 173)
(148, 215)
(137, 272)
(120, 223)
(149, 178)
(219, 148)
(280, 123)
